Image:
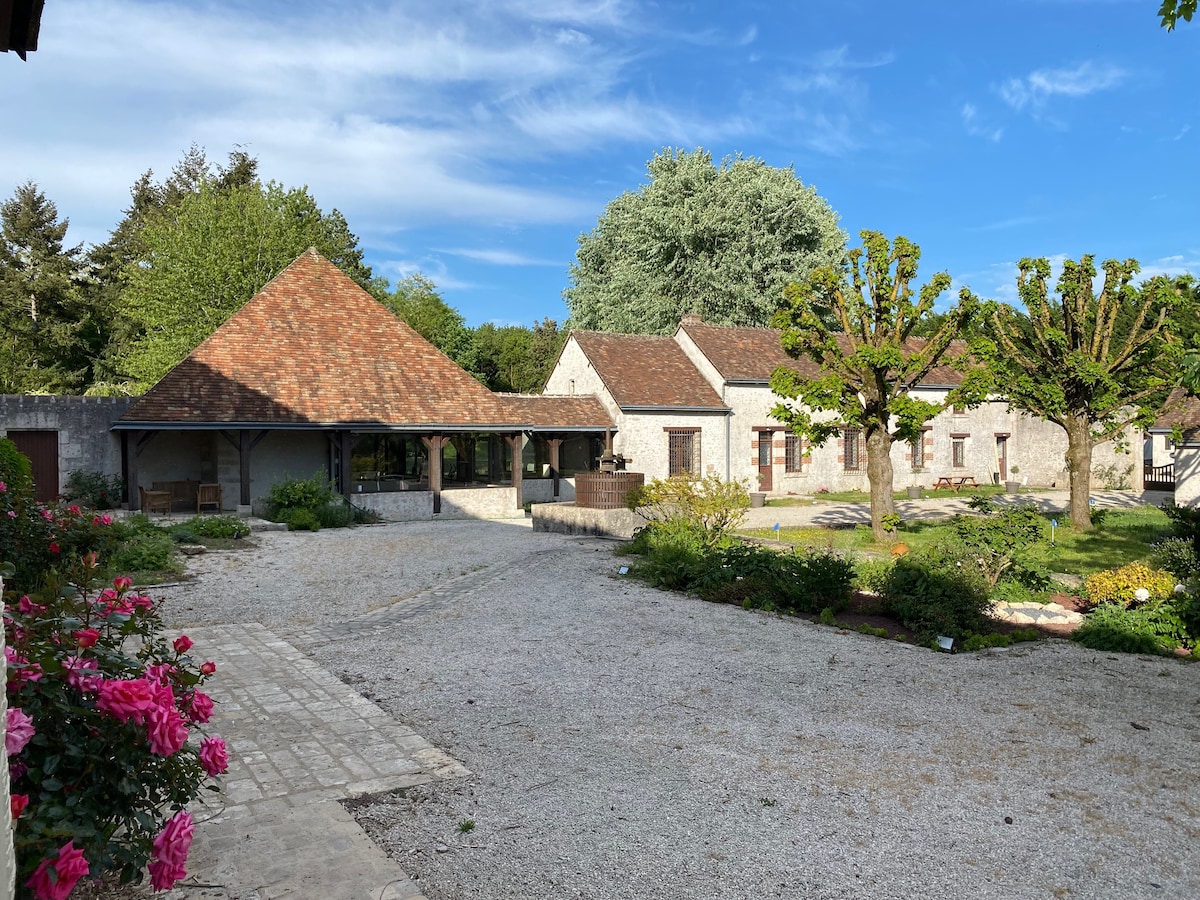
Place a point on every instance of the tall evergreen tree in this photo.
(43, 322)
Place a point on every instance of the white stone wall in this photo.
(1187, 475)
(642, 438)
(398, 506)
(481, 503)
(575, 376)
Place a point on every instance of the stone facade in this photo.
(85, 442)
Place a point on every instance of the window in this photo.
(958, 450)
(853, 456)
(683, 451)
(764, 449)
(918, 453)
(793, 453)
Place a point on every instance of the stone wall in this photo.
(567, 518)
(84, 440)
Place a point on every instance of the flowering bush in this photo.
(101, 710)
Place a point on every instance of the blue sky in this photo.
(474, 142)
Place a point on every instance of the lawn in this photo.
(986, 490)
(1123, 536)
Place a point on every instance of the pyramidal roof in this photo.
(314, 348)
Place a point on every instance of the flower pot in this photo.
(1012, 487)
(914, 491)
(757, 500)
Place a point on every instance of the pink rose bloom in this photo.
(20, 668)
(54, 548)
(74, 510)
(87, 637)
(102, 520)
(122, 582)
(17, 804)
(126, 700)
(12, 514)
(47, 515)
(3, 487)
(171, 851)
(214, 756)
(28, 607)
(160, 673)
(166, 729)
(208, 668)
(199, 707)
(140, 601)
(182, 644)
(18, 730)
(81, 674)
(69, 867)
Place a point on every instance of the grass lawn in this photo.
(986, 490)
(1124, 536)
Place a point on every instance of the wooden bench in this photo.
(208, 495)
(154, 501)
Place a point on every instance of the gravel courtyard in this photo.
(626, 742)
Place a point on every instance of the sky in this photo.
(475, 142)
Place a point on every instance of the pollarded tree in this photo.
(870, 358)
(719, 241)
(43, 321)
(1092, 363)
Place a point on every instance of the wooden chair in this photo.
(208, 495)
(155, 501)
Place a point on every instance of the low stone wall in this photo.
(567, 518)
(481, 503)
(398, 506)
(541, 490)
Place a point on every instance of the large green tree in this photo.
(858, 326)
(1092, 363)
(721, 241)
(47, 338)
(416, 301)
(516, 358)
(1172, 11)
(210, 252)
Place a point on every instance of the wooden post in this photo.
(244, 467)
(435, 443)
(517, 443)
(554, 445)
(133, 495)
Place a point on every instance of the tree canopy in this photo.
(1092, 363)
(722, 241)
(1172, 11)
(859, 326)
(46, 330)
(206, 255)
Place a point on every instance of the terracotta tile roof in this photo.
(312, 347)
(549, 411)
(646, 370)
(752, 354)
(1183, 410)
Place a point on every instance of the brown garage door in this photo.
(42, 449)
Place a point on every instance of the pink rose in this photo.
(166, 729)
(17, 804)
(122, 582)
(20, 668)
(182, 644)
(74, 510)
(81, 674)
(126, 700)
(199, 707)
(214, 756)
(12, 514)
(46, 514)
(208, 668)
(3, 487)
(102, 520)
(69, 867)
(18, 730)
(160, 673)
(87, 637)
(28, 607)
(140, 601)
(171, 851)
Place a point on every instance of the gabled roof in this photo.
(551, 412)
(647, 371)
(752, 354)
(1181, 409)
(314, 348)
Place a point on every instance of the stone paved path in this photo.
(300, 741)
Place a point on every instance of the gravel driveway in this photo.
(627, 742)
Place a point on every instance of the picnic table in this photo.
(955, 482)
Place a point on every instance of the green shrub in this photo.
(1185, 520)
(797, 581)
(292, 493)
(335, 515)
(828, 616)
(1177, 556)
(300, 520)
(939, 590)
(871, 574)
(143, 552)
(708, 505)
(1120, 585)
(93, 490)
(229, 527)
(1000, 539)
(1154, 627)
(974, 642)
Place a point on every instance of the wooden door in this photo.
(42, 449)
(1002, 456)
(764, 460)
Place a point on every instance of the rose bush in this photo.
(102, 727)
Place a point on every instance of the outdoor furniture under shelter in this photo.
(208, 495)
(155, 501)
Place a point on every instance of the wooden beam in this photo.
(554, 444)
(245, 445)
(435, 443)
(517, 442)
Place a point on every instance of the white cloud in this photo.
(498, 257)
(975, 128)
(1035, 89)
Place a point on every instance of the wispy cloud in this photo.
(1036, 88)
(502, 257)
(1003, 224)
(976, 128)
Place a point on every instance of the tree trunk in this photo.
(879, 474)
(1079, 465)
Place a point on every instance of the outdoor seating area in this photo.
(955, 482)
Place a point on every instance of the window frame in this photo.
(677, 438)
(793, 453)
(853, 437)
